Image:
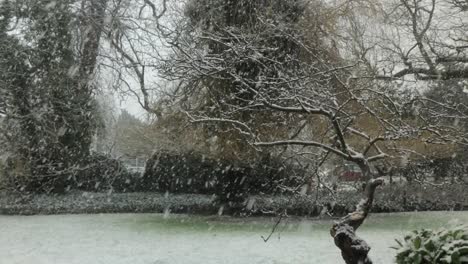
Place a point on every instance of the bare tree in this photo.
(442, 54)
(276, 80)
(418, 48)
(278, 74)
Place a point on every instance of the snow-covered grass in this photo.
(182, 239)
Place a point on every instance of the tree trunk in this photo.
(354, 250)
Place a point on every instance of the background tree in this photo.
(48, 103)
(133, 137)
(412, 48)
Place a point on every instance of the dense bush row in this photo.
(103, 173)
(389, 198)
(450, 197)
(95, 173)
(453, 169)
(165, 172)
(422, 197)
(194, 173)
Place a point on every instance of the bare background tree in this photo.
(271, 74)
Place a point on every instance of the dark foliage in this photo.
(96, 173)
(391, 198)
(441, 169)
(103, 173)
(49, 109)
(194, 173)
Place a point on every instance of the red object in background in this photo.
(350, 172)
(350, 176)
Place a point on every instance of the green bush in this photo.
(96, 172)
(101, 172)
(426, 246)
(192, 172)
(2, 174)
(15, 174)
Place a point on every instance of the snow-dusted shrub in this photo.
(440, 169)
(15, 174)
(100, 172)
(95, 172)
(192, 172)
(446, 246)
(2, 173)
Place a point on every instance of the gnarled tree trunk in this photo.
(354, 250)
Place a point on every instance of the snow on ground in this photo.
(178, 239)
